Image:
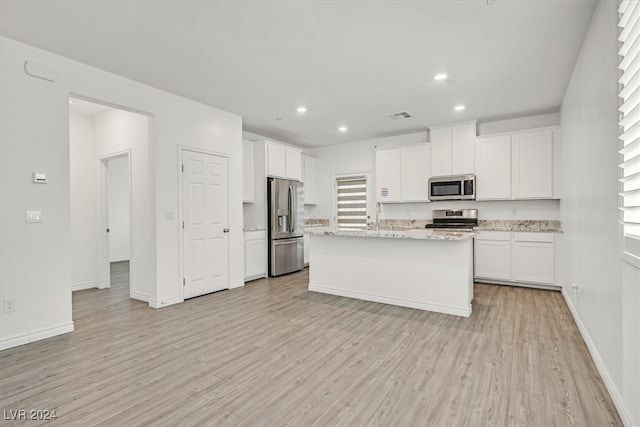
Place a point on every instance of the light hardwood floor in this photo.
(272, 353)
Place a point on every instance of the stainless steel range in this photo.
(454, 219)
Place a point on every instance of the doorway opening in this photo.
(115, 207)
(109, 178)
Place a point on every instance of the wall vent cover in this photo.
(400, 115)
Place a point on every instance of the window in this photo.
(351, 202)
(630, 127)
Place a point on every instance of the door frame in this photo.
(104, 274)
(180, 156)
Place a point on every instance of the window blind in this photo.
(351, 202)
(629, 93)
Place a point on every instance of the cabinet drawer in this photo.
(533, 237)
(494, 235)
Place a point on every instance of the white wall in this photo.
(118, 201)
(84, 202)
(360, 157)
(607, 303)
(117, 131)
(34, 130)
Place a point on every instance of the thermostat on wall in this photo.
(40, 177)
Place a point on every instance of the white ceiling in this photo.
(348, 62)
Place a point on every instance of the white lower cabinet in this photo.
(533, 258)
(493, 255)
(255, 254)
(517, 257)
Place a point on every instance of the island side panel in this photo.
(435, 275)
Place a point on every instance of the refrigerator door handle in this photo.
(291, 212)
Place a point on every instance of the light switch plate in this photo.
(33, 216)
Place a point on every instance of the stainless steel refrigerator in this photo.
(286, 226)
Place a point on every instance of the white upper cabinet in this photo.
(248, 195)
(493, 168)
(452, 148)
(311, 180)
(293, 164)
(388, 175)
(440, 151)
(414, 173)
(283, 161)
(463, 138)
(402, 174)
(532, 165)
(276, 166)
(518, 165)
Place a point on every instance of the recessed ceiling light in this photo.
(301, 109)
(459, 107)
(343, 128)
(440, 76)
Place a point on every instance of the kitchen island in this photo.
(424, 269)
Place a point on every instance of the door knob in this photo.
(225, 230)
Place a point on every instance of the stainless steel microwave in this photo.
(458, 187)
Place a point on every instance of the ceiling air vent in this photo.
(400, 115)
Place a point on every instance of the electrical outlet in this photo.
(8, 305)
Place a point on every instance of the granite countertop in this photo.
(483, 225)
(415, 234)
(254, 229)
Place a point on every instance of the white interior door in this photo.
(205, 216)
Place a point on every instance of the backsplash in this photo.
(316, 222)
(519, 225)
(404, 223)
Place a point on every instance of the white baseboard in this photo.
(36, 336)
(250, 278)
(153, 303)
(84, 285)
(139, 296)
(602, 370)
(518, 284)
(237, 284)
(119, 258)
(438, 308)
